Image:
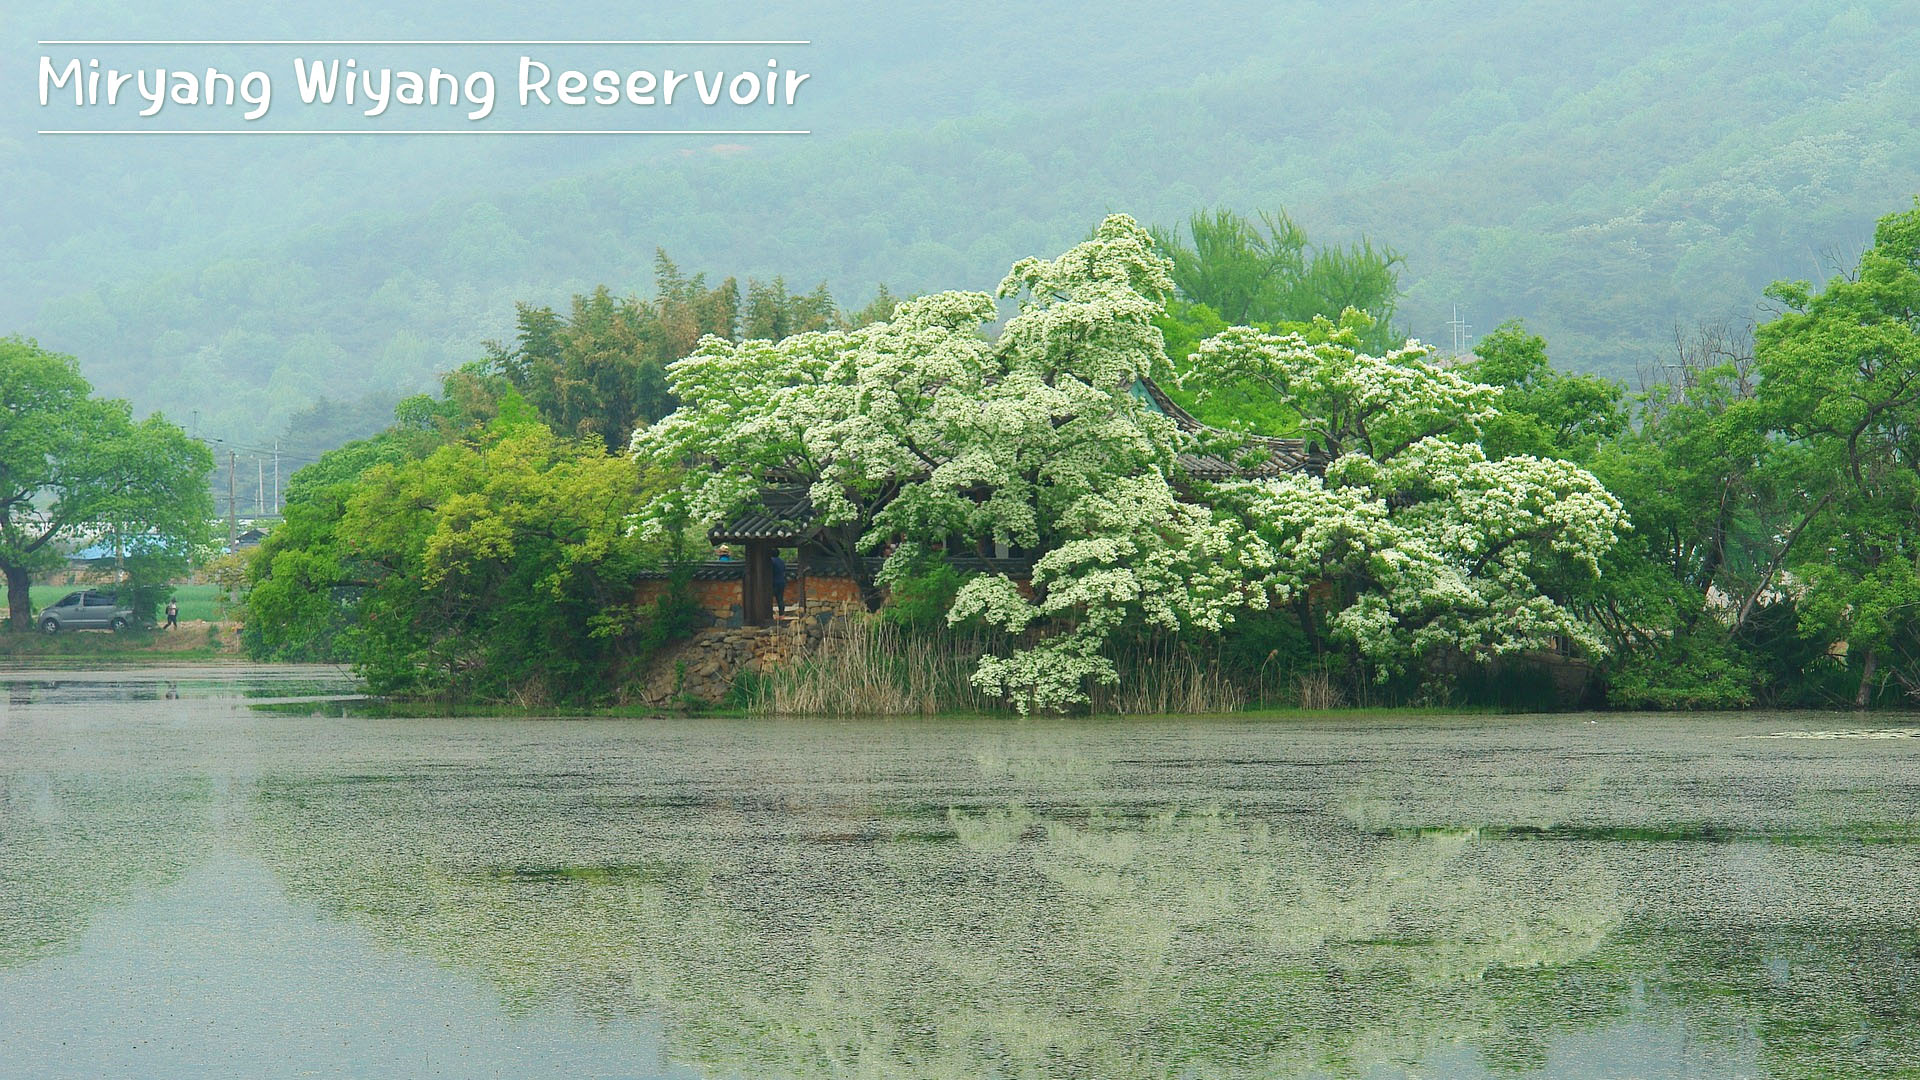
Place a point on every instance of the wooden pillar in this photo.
(756, 586)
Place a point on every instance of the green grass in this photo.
(196, 601)
(148, 645)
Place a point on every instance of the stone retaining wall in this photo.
(703, 668)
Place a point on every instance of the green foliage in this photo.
(303, 586)
(496, 569)
(342, 465)
(673, 615)
(1841, 383)
(1701, 667)
(1266, 652)
(601, 369)
(75, 468)
(919, 595)
(772, 313)
(1543, 412)
(1270, 273)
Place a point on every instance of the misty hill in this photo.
(1601, 170)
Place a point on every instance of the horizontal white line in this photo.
(303, 41)
(423, 131)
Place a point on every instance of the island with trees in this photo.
(1472, 529)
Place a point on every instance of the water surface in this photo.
(190, 886)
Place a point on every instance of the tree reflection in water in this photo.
(825, 903)
(74, 842)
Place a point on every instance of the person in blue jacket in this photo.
(779, 567)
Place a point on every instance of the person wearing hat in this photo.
(723, 553)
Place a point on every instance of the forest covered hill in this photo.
(1603, 171)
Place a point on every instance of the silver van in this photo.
(87, 610)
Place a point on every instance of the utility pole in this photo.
(233, 524)
(1460, 328)
(276, 477)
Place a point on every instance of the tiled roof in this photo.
(966, 564)
(1283, 455)
(785, 517)
(711, 570)
(735, 569)
(759, 527)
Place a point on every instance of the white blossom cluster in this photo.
(1138, 555)
(1417, 540)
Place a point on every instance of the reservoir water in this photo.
(194, 886)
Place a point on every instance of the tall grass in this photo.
(872, 667)
(1163, 675)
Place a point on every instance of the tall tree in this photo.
(1268, 272)
(600, 369)
(1415, 544)
(923, 431)
(1840, 376)
(1544, 412)
(74, 467)
(773, 313)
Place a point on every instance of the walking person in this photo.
(173, 614)
(779, 566)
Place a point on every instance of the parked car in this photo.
(88, 610)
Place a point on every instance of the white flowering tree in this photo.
(1412, 544)
(1140, 556)
(1067, 462)
(920, 430)
(854, 416)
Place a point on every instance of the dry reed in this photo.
(1164, 676)
(871, 667)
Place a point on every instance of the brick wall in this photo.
(836, 594)
(721, 599)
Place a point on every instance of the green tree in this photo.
(1268, 272)
(303, 583)
(75, 467)
(772, 313)
(1544, 412)
(600, 369)
(1700, 477)
(590, 372)
(499, 569)
(1841, 380)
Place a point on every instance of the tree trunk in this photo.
(1865, 693)
(19, 603)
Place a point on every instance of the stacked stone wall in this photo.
(702, 670)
